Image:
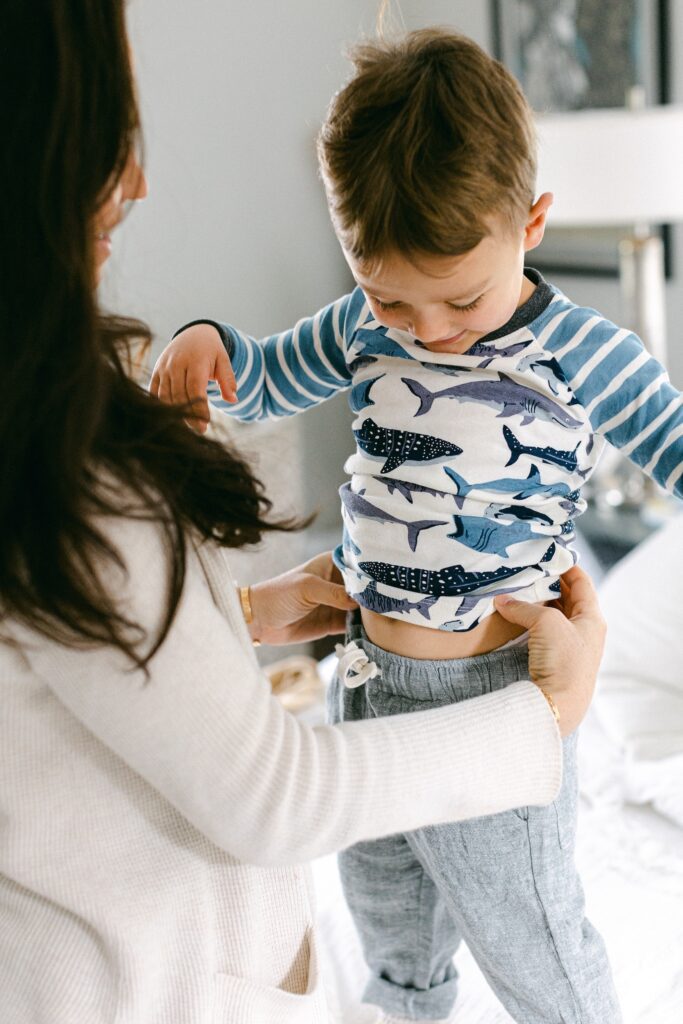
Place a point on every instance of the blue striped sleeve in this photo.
(288, 372)
(626, 393)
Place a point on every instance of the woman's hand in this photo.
(303, 604)
(185, 367)
(566, 641)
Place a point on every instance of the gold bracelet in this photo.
(245, 601)
(247, 610)
(552, 705)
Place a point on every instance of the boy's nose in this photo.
(429, 329)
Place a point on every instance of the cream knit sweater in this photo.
(154, 835)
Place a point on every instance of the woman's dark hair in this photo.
(72, 422)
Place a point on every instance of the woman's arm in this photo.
(206, 733)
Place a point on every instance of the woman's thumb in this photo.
(522, 613)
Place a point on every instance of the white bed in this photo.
(630, 839)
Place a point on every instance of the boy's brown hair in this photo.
(429, 140)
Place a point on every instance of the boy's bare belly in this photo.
(411, 641)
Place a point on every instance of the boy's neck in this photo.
(527, 289)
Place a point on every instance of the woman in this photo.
(156, 800)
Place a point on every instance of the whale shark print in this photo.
(513, 399)
(553, 456)
(399, 446)
(384, 605)
(356, 505)
(448, 582)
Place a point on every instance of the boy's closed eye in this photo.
(452, 305)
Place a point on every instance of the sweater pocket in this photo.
(240, 1001)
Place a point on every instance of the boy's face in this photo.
(449, 302)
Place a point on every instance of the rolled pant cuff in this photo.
(412, 1003)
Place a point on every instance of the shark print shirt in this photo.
(466, 475)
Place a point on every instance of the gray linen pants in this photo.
(505, 883)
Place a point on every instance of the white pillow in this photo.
(639, 700)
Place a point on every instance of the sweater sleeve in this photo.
(288, 372)
(206, 733)
(626, 393)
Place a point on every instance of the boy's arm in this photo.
(626, 394)
(285, 373)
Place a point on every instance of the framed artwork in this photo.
(578, 54)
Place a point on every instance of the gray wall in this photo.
(235, 225)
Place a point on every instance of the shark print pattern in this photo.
(482, 534)
(520, 489)
(511, 398)
(511, 428)
(359, 398)
(399, 446)
(356, 505)
(552, 456)
(449, 582)
(385, 605)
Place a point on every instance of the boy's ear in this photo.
(535, 225)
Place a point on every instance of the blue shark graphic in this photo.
(547, 369)
(360, 394)
(552, 456)
(513, 399)
(384, 605)
(482, 534)
(360, 362)
(468, 604)
(407, 489)
(490, 353)
(356, 505)
(399, 446)
(519, 512)
(349, 545)
(372, 343)
(508, 485)
(449, 371)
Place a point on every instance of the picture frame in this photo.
(560, 52)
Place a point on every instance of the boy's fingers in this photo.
(195, 393)
(165, 393)
(225, 378)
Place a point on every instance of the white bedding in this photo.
(631, 861)
(630, 857)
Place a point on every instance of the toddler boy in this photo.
(482, 400)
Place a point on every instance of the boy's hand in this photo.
(185, 367)
(566, 641)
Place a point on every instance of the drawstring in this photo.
(354, 668)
